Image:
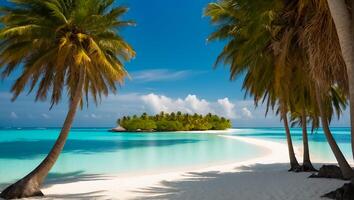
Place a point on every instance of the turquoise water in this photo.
(96, 151)
(319, 148)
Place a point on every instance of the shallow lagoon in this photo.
(97, 151)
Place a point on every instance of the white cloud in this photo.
(197, 105)
(94, 116)
(160, 75)
(247, 113)
(13, 115)
(240, 111)
(45, 116)
(158, 103)
(191, 104)
(228, 108)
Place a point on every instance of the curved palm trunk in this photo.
(306, 165)
(294, 165)
(30, 185)
(342, 162)
(344, 23)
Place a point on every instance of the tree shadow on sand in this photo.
(32, 149)
(77, 196)
(71, 177)
(259, 181)
(62, 178)
(77, 176)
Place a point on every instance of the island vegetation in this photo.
(174, 122)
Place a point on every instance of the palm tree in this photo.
(327, 40)
(264, 43)
(294, 164)
(300, 118)
(322, 101)
(326, 65)
(304, 109)
(306, 163)
(62, 45)
(144, 116)
(246, 25)
(335, 102)
(343, 19)
(299, 22)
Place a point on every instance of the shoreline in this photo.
(265, 173)
(230, 130)
(127, 186)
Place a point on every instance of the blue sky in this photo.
(173, 70)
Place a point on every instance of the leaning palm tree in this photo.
(63, 46)
(340, 43)
(334, 104)
(326, 66)
(303, 39)
(247, 26)
(341, 11)
(325, 116)
(264, 43)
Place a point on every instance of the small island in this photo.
(163, 122)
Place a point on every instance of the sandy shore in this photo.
(261, 178)
(231, 130)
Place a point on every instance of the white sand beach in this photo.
(265, 178)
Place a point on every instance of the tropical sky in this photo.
(173, 71)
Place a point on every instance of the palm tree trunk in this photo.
(29, 186)
(294, 165)
(306, 165)
(342, 162)
(344, 23)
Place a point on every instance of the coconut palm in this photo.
(328, 38)
(246, 26)
(335, 103)
(297, 30)
(322, 101)
(63, 46)
(265, 43)
(304, 109)
(300, 119)
(326, 65)
(341, 12)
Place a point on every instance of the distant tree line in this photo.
(174, 122)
